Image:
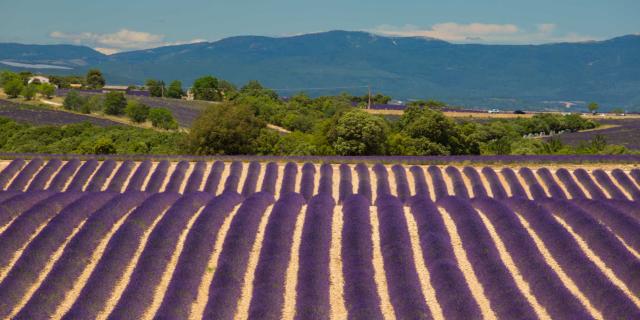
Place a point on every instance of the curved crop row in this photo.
(251, 181)
(626, 183)
(288, 184)
(117, 255)
(120, 177)
(537, 192)
(270, 178)
(572, 187)
(360, 293)
(192, 265)
(439, 186)
(27, 173)
(307, 182)
(213, 180)
(267, 298)
(404, 285)
(605, 181)
(345, 185)
(226, 287)
(82, 176)
(364, 181)
(497, 190)
(382, 180)
(139, 293)
(15, 206)
(40, 181)
(514, 184)
(326, 183)
(157, 178)
(77, 255)
(586, 181)
(195, 179)
(422, 190)
(505, 298)
(459, 188)
(10, 171)
(476, 183)
(313, 275)
(402, 183)
(35, 257)
(136, 183)
(543, 281)
(100, 177)
(554, 189)
(178, 175)
(604, 295)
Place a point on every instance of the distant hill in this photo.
(507, 76)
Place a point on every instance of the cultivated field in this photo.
(234, 240)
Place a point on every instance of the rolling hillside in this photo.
(517, 76)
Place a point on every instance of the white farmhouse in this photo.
(38, 79)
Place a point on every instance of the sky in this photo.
(117, 25)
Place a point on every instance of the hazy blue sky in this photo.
(118, 25)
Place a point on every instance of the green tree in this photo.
(92, 104)
(227, 128)
(593, 107)
(254, 88)
(104, 145)
(206, 88)
(73, 101)
(29, 91)
(156, 88)
(95, 79)
(359, 133)
(47, 90)
(6, 76)
(13, 88)
(137, 111)
(114, 103)
(175, 90)
(162, 118)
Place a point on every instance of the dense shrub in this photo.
(162, 118)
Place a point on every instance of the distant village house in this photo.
(38, 80)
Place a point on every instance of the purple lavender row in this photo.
(605, 181)
(345, 186)
(635, 173)
(364, 181)
(494, 183)
(117, 256)
(600, 240)
(459, 188)
(146, 276)
(570, 184)
(360, 293)
(514, 184)
(158, 177)
(382, 180)
(439, 186)
(554, 189)
(233, 180)
(6, 195)
(10, 171)
(476, 182)
(228, 278)
(251, 181)
(41, 179)
(213, 180)
(267, 298)
(13, 207)
(120, 177)
(35, 257)
(270, 178)
(629, 207)
(177, 177)
(621, 224)
(604, 295)
(307, 183)
(587, 182)
(312, 289)
(77, 254)
(137, 180)
(402, 184)
(82, 176)
(422, 190)
(452, 291)
(544, 283)
(505, 298)
(289, 178)
(18, 234)
(100, 178)
(537, 192)
(626, 183)
(195, 179)
(405, 291)
(26, 174)
(325, 185)
(192, 265)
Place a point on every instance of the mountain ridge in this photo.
(606, 71)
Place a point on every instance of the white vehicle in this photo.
(494, 111)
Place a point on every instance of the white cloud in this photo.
(483, 33)
(122, 40)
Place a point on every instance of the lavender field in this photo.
(261, 239)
